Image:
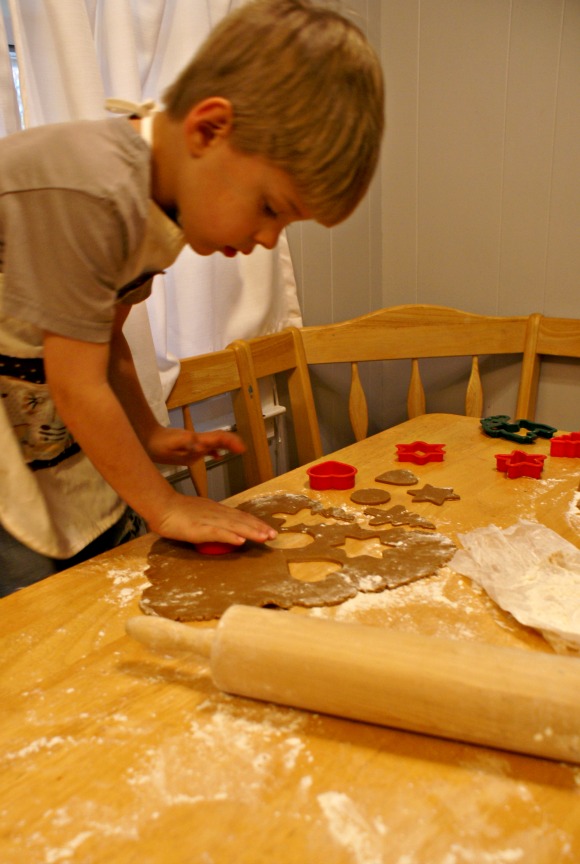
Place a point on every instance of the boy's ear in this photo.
(208, 121)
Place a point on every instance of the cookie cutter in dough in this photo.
(500, 426)
(214, 547)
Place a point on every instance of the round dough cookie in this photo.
(370, 496)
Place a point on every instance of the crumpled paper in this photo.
(532, 573)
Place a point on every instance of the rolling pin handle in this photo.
(170, 637)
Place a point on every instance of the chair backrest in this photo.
(282, 355)
(547, 337)
(214, 374)
(414, 332)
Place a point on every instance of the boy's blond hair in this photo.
(307, 94)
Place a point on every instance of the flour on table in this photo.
(259, 745)
(351, 829)
(127, 585)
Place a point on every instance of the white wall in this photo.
(339, 271)
(481, 182)
(479, 192)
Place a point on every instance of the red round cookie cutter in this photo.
(215, 548)
(331, 475)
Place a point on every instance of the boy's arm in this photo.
(77, 375)
(164, 445)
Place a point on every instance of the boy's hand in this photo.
(181, 447)
(198, 520)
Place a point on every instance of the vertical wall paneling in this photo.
(481, 187)
(461, 109)
(481, 179)
(563, 258)
(339, 270)
(532, 85)
(400, 58)
(478, 204)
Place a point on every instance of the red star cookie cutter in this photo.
(420, 453)
(566, 445)
(519, 464)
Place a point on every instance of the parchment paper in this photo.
(531, 572)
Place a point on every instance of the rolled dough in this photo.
(187, 586)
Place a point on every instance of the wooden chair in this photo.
(547, 337)
(415, 332)
(281, 355)
(214, 374)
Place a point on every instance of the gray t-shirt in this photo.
(78, 234)
(74, 201)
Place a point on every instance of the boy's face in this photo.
(229, 201)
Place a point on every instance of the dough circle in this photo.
(370, 496)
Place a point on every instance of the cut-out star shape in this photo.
(433, 494)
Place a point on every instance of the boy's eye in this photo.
(269, 211)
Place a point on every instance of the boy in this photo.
(278, 117)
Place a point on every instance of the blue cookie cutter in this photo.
(499, 426)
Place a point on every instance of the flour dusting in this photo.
(435, 605)
(38, 745)
(362, 837)
(129, 583)
(573, 512)
(230, 753)
(460, 855)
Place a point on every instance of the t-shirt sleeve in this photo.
(64, 250)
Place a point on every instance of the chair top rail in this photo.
(436, 331)
(205, 375)
(559, 337)
(272, 353)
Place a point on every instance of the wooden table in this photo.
(112, 754)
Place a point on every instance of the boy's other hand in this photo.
(182, 447)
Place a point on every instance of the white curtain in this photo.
(72, 55)
(9, 115)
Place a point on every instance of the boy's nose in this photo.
(267, 237)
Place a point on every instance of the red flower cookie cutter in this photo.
(565, 445)
(519, 464)
(420, 453)
(331, 475)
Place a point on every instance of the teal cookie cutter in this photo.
(500, 426)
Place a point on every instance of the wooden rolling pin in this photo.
(513, 699)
